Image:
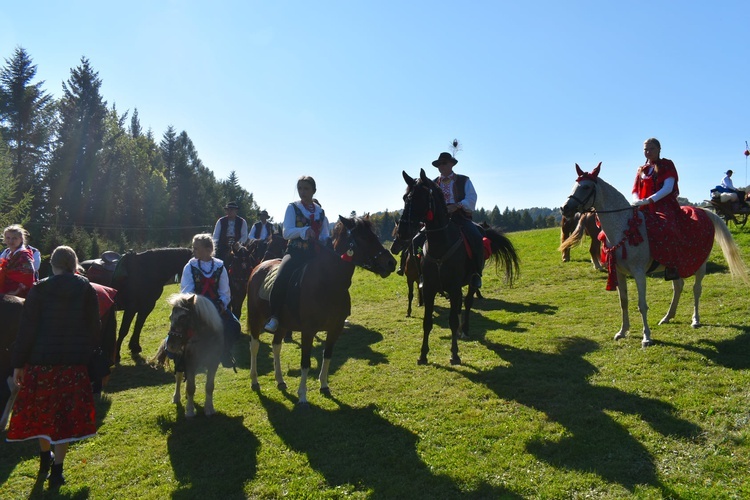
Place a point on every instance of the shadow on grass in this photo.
(212, 457)
(354, 343)
(731, 353)
(357, 448)
(126, 377)
(556, 384)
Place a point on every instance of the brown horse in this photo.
(239, 263)
(575, 227)
(321, 302)
(195, 341)
(412, 266)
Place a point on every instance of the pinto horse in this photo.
(321, 302)
(446, 265)
(195, 341)
(576, 227)
(627, 239)
(139, 281)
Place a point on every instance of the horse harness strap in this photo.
(446, 256)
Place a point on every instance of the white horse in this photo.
(614, 212)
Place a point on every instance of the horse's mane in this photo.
(339, 229)
(204, 310)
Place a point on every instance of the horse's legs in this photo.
(622, 290)
(453, 321)
(135, 340)
(464, 324)
(208, 407)
(429, 306)
(331, 338)
(677, 286)
(410, 284)
(177, 382)
(127, 319)
(640, 283)
(307, 340)
(697, 290)
(254, 346)
(190, 393)
(595, 251)
(277, 343)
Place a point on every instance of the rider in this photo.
(229, 230)
(727, 186)
(306, 228)
(206, 275)
(261, 230)
(655, 189)
(17, 269)
(461, 199)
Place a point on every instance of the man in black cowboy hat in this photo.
(461, 199)
(261, 230)
(229, 230)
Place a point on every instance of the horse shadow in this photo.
(357, 448)
(556, 384)
(221, 475)
(730, 353)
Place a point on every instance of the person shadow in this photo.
(557, 385)
(357, 448)
(220, 475)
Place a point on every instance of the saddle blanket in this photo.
(682, 242)
(265, 290)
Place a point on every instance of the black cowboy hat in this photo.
(263, 212)
(729, 172)
(444, 158)
(231, 204)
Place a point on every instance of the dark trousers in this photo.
(294, 259)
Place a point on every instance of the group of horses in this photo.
(319, 298)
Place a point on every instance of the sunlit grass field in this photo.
(545, 405)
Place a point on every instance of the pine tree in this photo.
(26, 122)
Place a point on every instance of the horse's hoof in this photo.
(189, 414)
(281, 386)
(325, 391)
(647, 343)
(696, 324)
(255, 386)
(619, 336)
(288, 338)
(303, 404)
(455, 360)
(422, 361)
(135, 349)
(463, 336)
(208, 413)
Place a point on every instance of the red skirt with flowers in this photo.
(54, 403)
(682, 239)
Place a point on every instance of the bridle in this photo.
(370, 263)
(592, 196)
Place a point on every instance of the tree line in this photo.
(74, 170)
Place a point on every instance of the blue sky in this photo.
(353, 92)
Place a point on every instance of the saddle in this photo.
(293, 288)
(103, 269)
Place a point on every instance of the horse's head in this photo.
(240, 263)
(181, 323)
(276, 247)
(356, 241)
(423, 204)
(583, 197)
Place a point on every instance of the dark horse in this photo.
(446, 266)
(412, 267)
(140, 280)
(321, 302)
(576, 227)
(195, 341)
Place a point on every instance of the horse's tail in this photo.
(504, 253)
(575, 238)
(729, 247)
(160, 359)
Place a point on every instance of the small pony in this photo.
(195, 342)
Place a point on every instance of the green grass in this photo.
(545, 405)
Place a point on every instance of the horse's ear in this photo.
(595, 173)
(193, 300)
(407, 178)
(348, 223)
(578, 170)
(423, 175)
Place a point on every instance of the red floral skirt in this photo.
(682, 241)
(54, 403)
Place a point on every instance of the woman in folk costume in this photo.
(306, 228)
(206, 275)
(59, 332)
(17, 273)
(678, 236)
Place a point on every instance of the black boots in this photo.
(56, 478)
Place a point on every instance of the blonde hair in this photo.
(205, 240)
(65, 259)
(18, 229)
